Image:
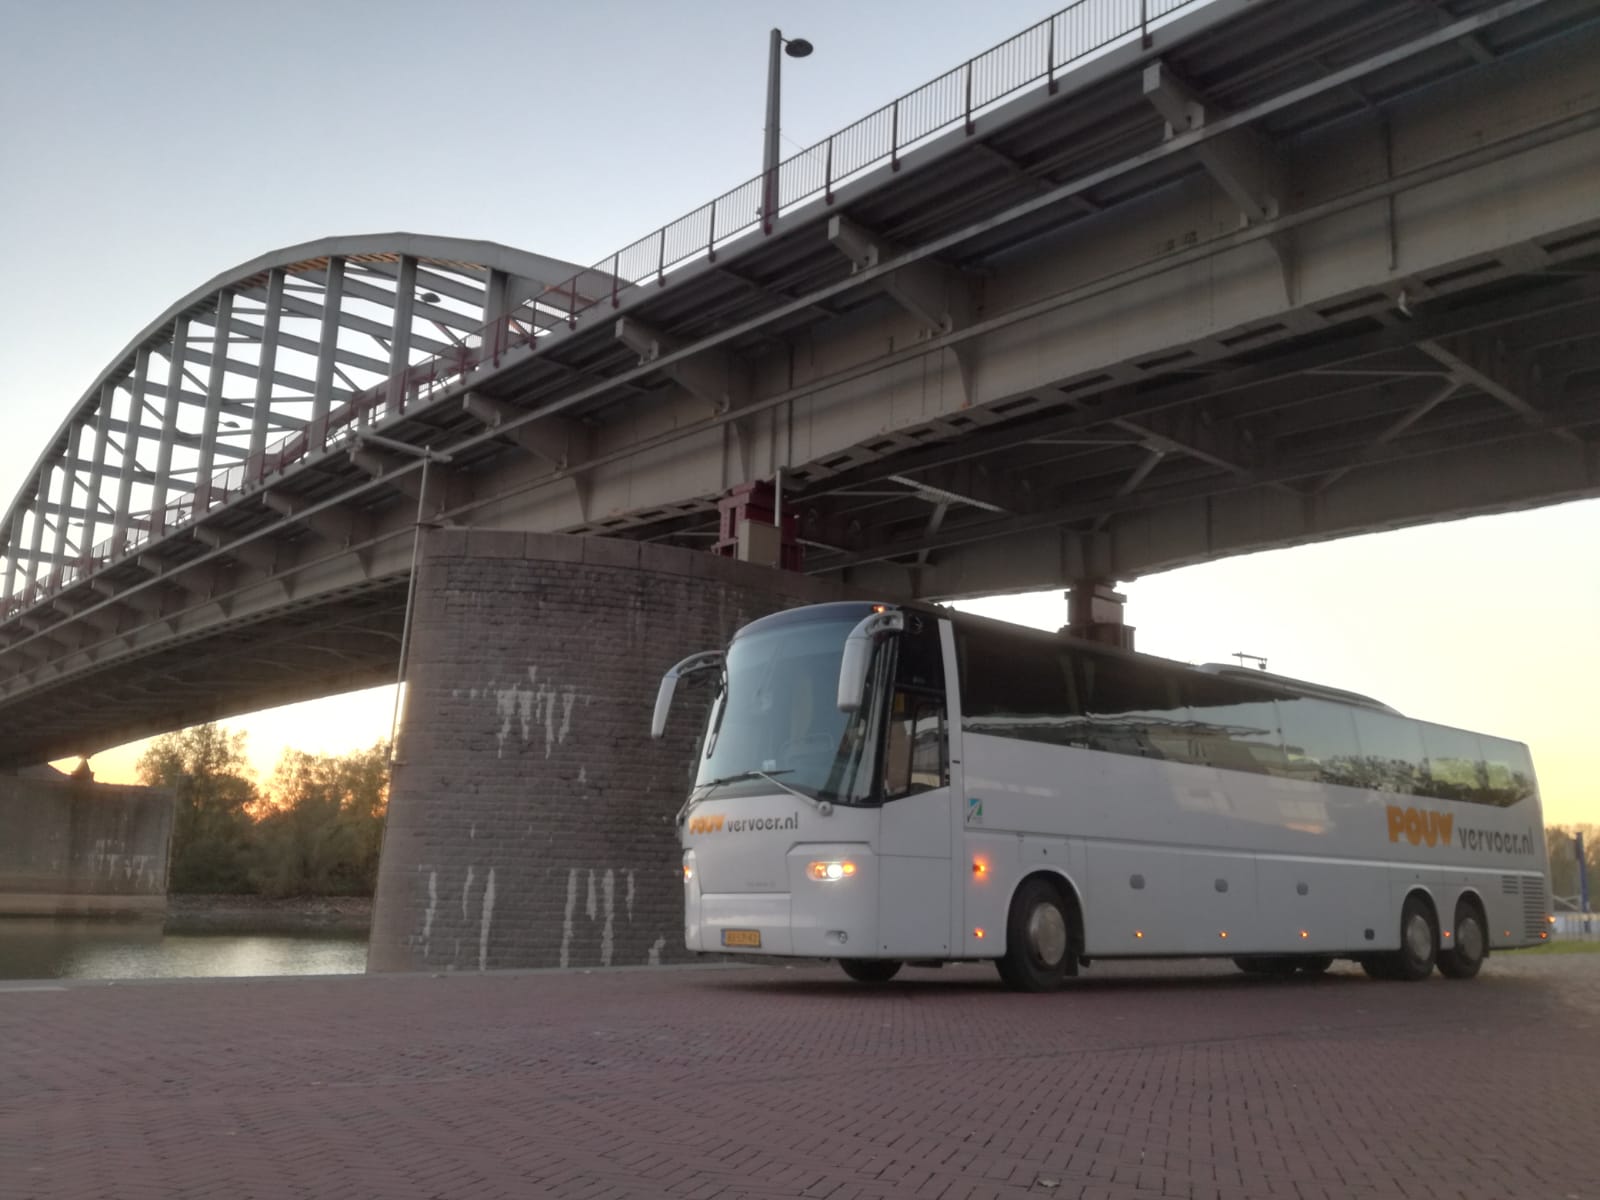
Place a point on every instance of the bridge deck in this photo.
(1148, 1081)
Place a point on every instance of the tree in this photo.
(1559, 842)
(320, 828)
(212, 831)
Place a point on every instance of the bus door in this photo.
(915, 835)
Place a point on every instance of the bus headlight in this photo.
(831, 870)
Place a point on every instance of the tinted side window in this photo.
(1454, 764)
(1508, 771)
(1319, 741)
(914, 758)
(1391, 758)
(1015, 687)
(919, 660)
(1133, 708)
(1233, 726)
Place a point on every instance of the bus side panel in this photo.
(1219, 897)
(1135, 900)
(914, 907)
(1312, 906)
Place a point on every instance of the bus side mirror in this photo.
(858, 655)
(706, 660)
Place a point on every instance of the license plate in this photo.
(741, 937)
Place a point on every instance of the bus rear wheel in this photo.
(1314, 964)
(1039, 951)
(870, 970)
(1469, 945)
(1419, 946)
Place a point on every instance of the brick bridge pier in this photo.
(531, 815)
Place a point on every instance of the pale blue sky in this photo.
(151, 145)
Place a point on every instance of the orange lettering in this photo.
(1413, 827)
(1447, 823)
(1397, 822)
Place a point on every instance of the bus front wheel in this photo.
(870, 970)
(1039, 951)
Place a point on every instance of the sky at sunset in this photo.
(165, 143)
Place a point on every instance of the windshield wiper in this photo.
(705, 789)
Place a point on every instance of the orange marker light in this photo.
(1222, 933)
(1304, 934)
(1447, 933)
(1543, 934)
(688, 872)
(1138, 933)
(980, 868)
(977, 933)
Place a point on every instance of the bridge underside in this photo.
(1319, 269)
(337, 644)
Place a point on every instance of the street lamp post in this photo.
(776, 49)
(429, 456)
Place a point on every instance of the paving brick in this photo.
(765, 1082)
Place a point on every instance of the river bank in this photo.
(334, 915)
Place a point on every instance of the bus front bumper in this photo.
(815, 918)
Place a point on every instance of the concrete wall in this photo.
(531, 818)
(72, 846)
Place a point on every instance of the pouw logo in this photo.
(720, 824)
(1420, 825)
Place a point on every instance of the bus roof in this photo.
(844, 610)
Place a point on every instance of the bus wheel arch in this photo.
(1044, 933)
(1469, 941)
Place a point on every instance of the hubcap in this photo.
(1419, 938)
(1469, 939)
(1047, 934)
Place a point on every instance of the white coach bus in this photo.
(882, 784)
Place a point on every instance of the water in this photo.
(45, 948)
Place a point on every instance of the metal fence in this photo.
(1036, 56)
(1576, 927)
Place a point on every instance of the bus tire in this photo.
(870, 970)
(1419, 941)
(1469, 944)
(1315, 964)
(1039, 951)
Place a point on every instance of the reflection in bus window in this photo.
(1509, 772)
(1319, 740)
(1390, 758)
(1454, 764)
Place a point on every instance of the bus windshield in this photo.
(777, 714)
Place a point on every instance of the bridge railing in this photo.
(1036, 55)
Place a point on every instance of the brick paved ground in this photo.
(1154, 1081)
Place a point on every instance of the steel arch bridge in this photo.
(257, 374)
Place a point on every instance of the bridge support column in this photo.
(1094, 612)
(531, 815)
